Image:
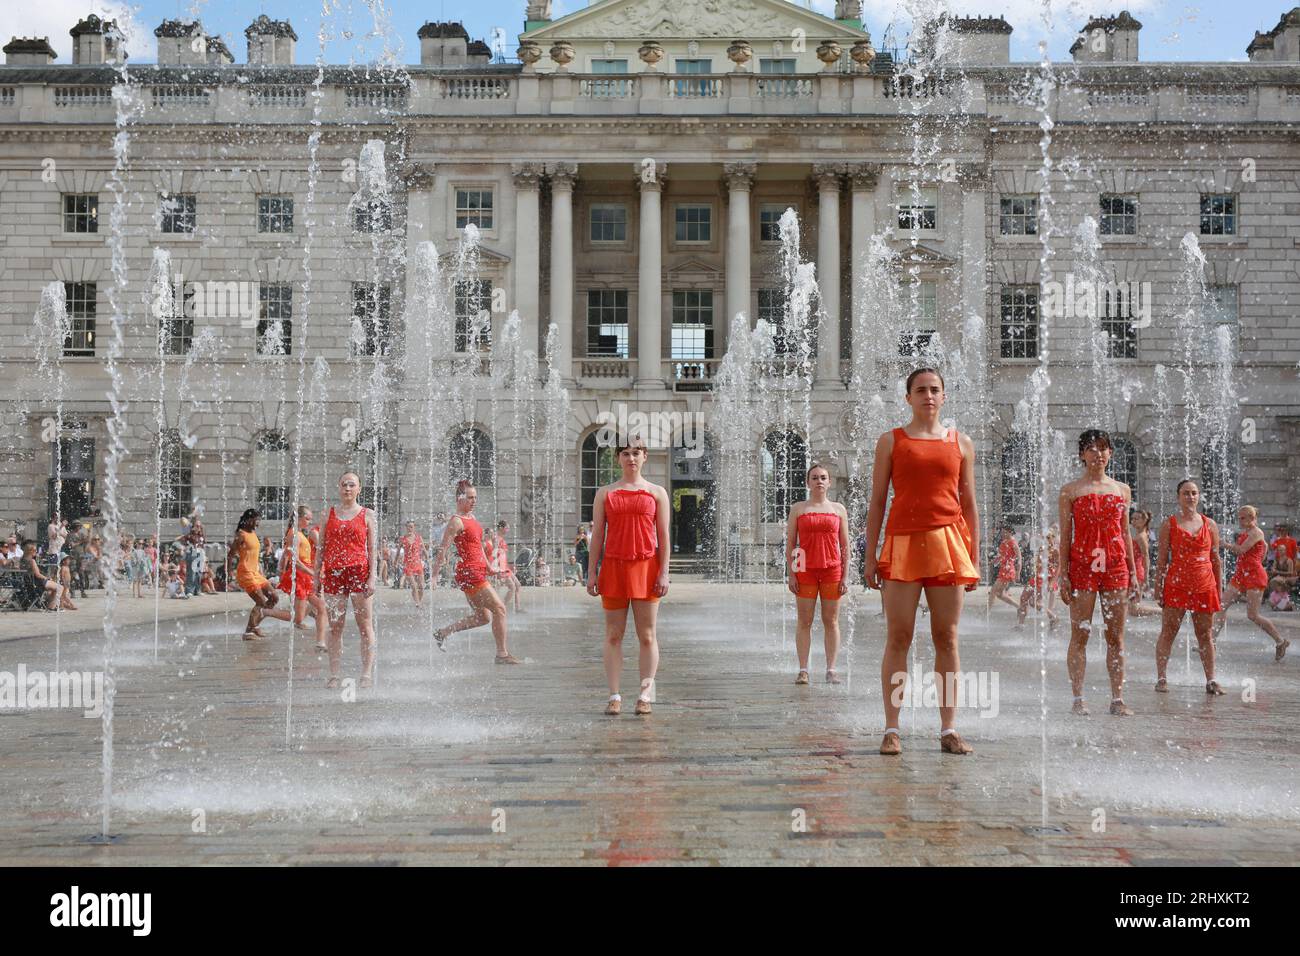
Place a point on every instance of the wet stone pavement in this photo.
(452, 760)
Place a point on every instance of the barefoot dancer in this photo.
(471, 575)
(630, 547)
(931, 544)
(347, 566)
(248, 575)
(1008, 569)
(497, 551)
(1187, 579)
(298, 575)
(413, 562)
(1250, 579)
(816, 538)
(1097, 557)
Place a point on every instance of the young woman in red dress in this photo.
(1250, 579)
(413, 562)
(347, 569)
(816, 539)
(298, 574)
(1187, 578)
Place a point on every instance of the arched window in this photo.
(1124, 462)
(271, 475)
(1221, 479)
(471, 457)
(599, 467)
(175, 477)
(1019, 479)
(785, 465)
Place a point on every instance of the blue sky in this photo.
(1171, 30)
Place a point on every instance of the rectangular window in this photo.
(1020, 322)
(918, 210)
(607, 67)
(922, 302)
(692, 332)
(694, 223)
(1223, 308)
(373, 216)
(275, 318)
(608, 223)
(771, 309)
(1018, 216)
(177, 214)
(1218, 215)
(473, 315)
(607, 323)
(1119, 215)
(773, 65)
(81, 318)
(1117, 323)
(176, 331)
(474, 208)
(769, 222)
(275, 214)
(694, 67)
(81, 213)
(371, 326)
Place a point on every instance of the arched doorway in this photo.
(692, 491)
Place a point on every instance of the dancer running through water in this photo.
(816, 539)
(1097, 559)
(347, 567)
(1250, 579)
(1037, 593)
(247, 550)
(298, 574)
(931, 545)
(1139, 522)
(413, 562)
(1008, 569)
(497, 551)
(629, 566)
(466, 533)
(1187, 578)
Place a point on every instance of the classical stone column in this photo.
(974, 180)
(863, 178)
(649, 300)
(562, 176)
(418, 179)
(527, 178)
(739, 178)
(827, 177)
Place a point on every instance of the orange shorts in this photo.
(820, 581)
(621, 581)
(252, 584)
(939, 557)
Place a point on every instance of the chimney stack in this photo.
(29, 51)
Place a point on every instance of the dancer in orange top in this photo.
(1097, 559)
(816, 540)
(298, 574)
(1250, 579)
(466, 533)
(1188, 572)
(347, 567)
(931, 544)
(413, 562)
(629, 566)
(248, 551)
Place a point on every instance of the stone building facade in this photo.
(625, 177)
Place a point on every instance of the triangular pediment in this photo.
(694, 267)
(922, 254)
(486, 256)
(694, 20)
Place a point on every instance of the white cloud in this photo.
(1025, 16)
(54, 18)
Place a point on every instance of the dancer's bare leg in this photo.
(1076, 658)
(1170, 622)
(615, 626)
(805, 610)
(645, 616)
(830, 631)
(1114, 607)
(900, 599)
(363, 612)
(945, 612)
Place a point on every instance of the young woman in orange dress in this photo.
(817, 539)
(247, 550)
(1008, 569)
(931, 544)
(629, 568)
(298, 574)
(347, 570)
(465, 532)
(1187, 578)
(1250, 579)
(1097, 556)
(413, 562)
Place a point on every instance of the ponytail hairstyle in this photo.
(246, 520)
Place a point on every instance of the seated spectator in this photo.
(572, 572)
(12, 552)
(50, 590)
(209, 585)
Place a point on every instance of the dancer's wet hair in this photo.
(246, 519)
(921, 371)
(463, 486)
(1094, 436)
(1185, 481)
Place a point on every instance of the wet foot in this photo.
(506, 659)
(366, 681)
(953, 744)
(1281, 650)
(440, 638)
(802, 678)
(321, 647)
(614, 708)
(251, 636)
(1213, 689)
(1080, 709)
(332, 683)
(890, 745)
(832, 677)
(642, 706)
(1162, 686)
(1119, 709)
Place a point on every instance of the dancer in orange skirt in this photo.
(247, 549)
(1008, 569)
(347, 569)
(1250, 579)
(465, 532)
(413, 562)
(816, 539)
(1187, 579)
(629, 566)
(1097, 555)
(298, 574)
(931, 544)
